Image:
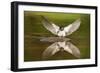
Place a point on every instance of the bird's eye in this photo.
(61, 28)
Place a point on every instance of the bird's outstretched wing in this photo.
(51, 50)
(72, 27)
(50, 25)
(73, 49)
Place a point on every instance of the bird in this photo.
(60, 31)
(60, 47)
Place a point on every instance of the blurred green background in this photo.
(33, 48)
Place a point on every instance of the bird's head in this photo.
(61, 28)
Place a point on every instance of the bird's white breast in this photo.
(61, 44)
(61, 33)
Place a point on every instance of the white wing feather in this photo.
(72, 27)
(50, 26)
(74, 50)
(51, 50)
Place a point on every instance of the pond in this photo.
(45, 48)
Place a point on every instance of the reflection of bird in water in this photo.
(61, 46)
(61, 31)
